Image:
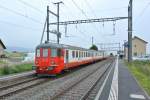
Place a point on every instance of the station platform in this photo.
(121, 85)
(128, 87)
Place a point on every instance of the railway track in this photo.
(12, 89)
(16, 76)
(81, 89)
(17, 83)
(60, 87)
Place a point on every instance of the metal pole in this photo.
(130, 31)
(58, 33)
(43, 31)
(47, 23)
(58, 23)
(92, 40)
(119, 47)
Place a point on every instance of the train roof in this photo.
(55, 45)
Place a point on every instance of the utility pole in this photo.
(130, 31)
(47, 23)
(92, 40)
(119, 47)
(58, 33)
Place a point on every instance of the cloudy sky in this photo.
(22, 21)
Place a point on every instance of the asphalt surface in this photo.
(128, 88)
(127, 85)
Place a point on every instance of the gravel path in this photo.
(48, 89)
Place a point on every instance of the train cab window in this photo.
(45, 52)
(54, 52)
(59, 52)
(38, 52)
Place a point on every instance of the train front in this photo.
(49, 59)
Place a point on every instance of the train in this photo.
(53, 58)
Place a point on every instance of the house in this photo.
(138, 47)
(2, 48)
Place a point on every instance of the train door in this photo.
(67, 56)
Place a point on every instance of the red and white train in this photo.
(52, 58)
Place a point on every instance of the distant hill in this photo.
(20, 49)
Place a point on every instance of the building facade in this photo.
(138, 47)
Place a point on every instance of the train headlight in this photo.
(36, 62)
(33, 67)
(53, 62)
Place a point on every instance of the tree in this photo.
(94, 47)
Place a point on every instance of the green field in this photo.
(15, 69)
(141, 71)
(2, 62)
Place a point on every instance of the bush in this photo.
(15, 69)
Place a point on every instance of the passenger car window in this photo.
(73, 54)
(45, 52)
(53, 52)
(38, 52)
(76, 54)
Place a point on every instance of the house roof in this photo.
(135, 37)
(1, 42)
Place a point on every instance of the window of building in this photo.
(135, 46)
(135, 53)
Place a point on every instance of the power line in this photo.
(143, 11)
(82, 33)
(29, 5)
(92, 11)
(87, 3)
(20, 14)
(82, 11)
(17, 25)
(79, 9)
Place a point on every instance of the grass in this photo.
(141, 71)
(15, 69)
(15, 54)
(2, 62)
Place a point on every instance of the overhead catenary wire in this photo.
(142, 12)
(17, 25)
(82, 33)
(92, 11)
(20, 14)
(31, 6)
(82, 11)
(87, 3)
